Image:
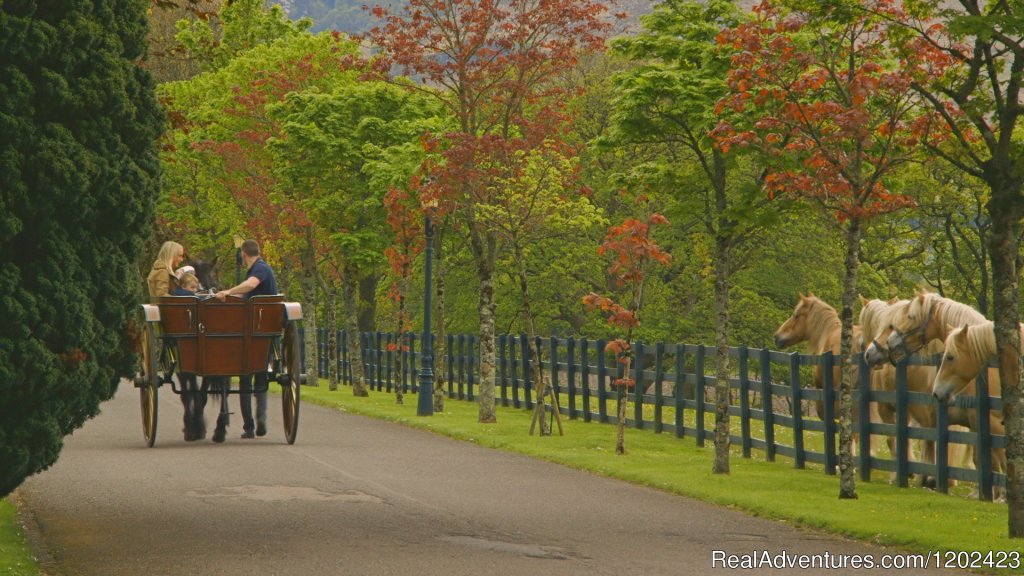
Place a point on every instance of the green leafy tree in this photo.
(221, 177)
(634, 255)
(967, 60)
(78, 174)
(538, 199)
(495, 63)
(669, 100)
(832, 111)
(330, 146)
(241, 25)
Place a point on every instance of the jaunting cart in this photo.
(218, 340)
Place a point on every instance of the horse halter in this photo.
(921, 330)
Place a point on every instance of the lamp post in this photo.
(238, 258)
(425, 407)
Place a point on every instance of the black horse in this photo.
(194, 392)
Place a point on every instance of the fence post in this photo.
(767, 405)
(553, 361)
(602, 376)
(828, 388)
(678, 390)
(381, 377)
(585, 377)
(744, 401)
(415, 386)
(321, 352)
(462, 371)
(389, 352)
(700, 394)
(942, 448)
(345, 363)
(864, 401)
(659, 375)
(449, 357)
(470, 369)
(570, 357)
(798, 413)
(984, 443)
(902, 426)
(406, 366)
(513, 365)
(526, 358)
(638, 385)
(503, 369)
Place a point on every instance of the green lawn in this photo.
(913, 519)
(15, 557)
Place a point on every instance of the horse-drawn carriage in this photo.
(215, 340)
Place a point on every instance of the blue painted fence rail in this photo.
(681, 376)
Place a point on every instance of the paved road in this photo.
(362, 497)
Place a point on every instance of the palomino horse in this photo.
(875, 317)
(968, 350)
(817, 323)
(926, 317)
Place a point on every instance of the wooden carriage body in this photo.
(230, 338)
(210, 338)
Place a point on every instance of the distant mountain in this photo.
(350, 17)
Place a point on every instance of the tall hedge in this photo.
(78, 188)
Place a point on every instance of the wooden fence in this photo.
(676, 395)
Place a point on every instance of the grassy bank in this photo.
(15, 557)
(914, 519)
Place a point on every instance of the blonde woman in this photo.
(161, 280)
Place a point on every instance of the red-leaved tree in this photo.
(403, 218)
(825, 100)
(492, 64)
(634, 253)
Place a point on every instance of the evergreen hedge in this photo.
(79, 169)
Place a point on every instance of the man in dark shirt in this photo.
(259, 281)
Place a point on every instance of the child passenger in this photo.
(188, 284)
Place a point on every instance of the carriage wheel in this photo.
(148, 386)
(290, 380)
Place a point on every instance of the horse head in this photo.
(908, 326)
(206, 272)
(806, 322)
(959, 366)
(876, 322)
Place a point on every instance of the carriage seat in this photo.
(230, 338)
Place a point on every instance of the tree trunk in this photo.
(539, 410)
(847, 484)
(623, 395)
(355, 348)
(441, 350)
(307, 281)
(400, 336)
(368, 303)
(722, 393)
(332, 342)
(1005, 249)
(484, 245)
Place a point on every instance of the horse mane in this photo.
(955, 313)
(946, 311)
(823, 320)
(876, 315)
(980, 341)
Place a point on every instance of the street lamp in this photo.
(238, 258)
(425, 407)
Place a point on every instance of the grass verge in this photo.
(15, 557)
(910, 518)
